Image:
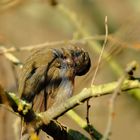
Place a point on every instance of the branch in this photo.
(24, 110)
(128, 71)
(45, 119)
(93, 91)
(83, 124)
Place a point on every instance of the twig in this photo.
(62, 42)
(14, 60)
(10, 56)
(32, 47)
(95, 74)
(102, 50)
(47, 44)
(112, 100)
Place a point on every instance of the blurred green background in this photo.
(31, 22)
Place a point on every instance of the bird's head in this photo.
(81, 59)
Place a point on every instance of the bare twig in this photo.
(10, 56)
(112, 100)
(102, 50)
(95, 73)
(31, 47)
(55, 43)
(14, 61)
(46, 44)
(62, 42)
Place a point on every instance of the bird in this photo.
(48, 75)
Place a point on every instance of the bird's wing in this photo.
(58, 88)
(33, 71)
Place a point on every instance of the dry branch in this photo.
(128, 71)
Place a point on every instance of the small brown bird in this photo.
(47, 77)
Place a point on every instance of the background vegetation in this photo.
(32, 22)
